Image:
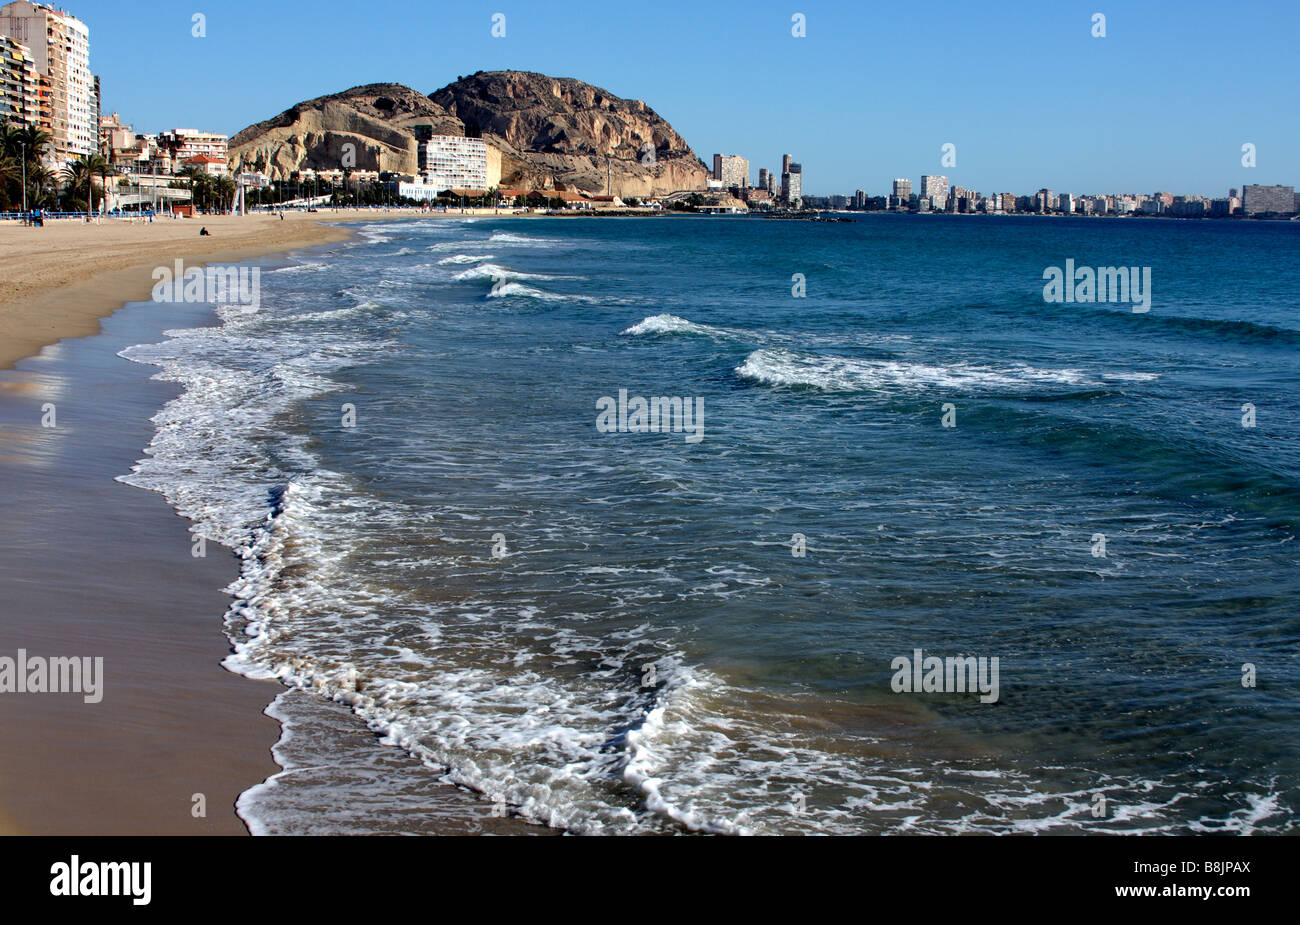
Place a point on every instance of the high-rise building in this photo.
(764, 178)
(791, 182)
(935, 189)
(1256, 200)
(903, 189)
(20, 85)
(453, 162)
(60, 48)
(732, 170)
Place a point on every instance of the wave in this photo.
(514, 290)
(464, 258)
(1243, 332)
(309, 267)
(788, 368)
(507, 237)
(333, 314)
(495, 271)
(671, 324)
(1250, 333)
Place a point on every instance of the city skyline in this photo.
(1143, 108)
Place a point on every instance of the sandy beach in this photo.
(59, 280)
(64, 564)
(93, 567)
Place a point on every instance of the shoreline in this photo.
(177, 724)
(101, 568)
(64, 279)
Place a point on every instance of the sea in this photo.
(452, 552)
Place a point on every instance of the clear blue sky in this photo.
(1028, 96)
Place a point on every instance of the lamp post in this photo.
(23, 145)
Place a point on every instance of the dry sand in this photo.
(59, 280)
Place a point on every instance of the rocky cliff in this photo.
(561, 132)
(552, 133)
(376, 119)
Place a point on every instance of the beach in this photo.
(59, 280)
(172, 723)
(96, 568)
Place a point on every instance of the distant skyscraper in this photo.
(764, 178)
(903, 189)
(791, 182)
(935, 189)
(1256, 200)
(732, 170)
(60, 48)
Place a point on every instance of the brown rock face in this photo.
(560, 132)
(376, 120)
(553, 133)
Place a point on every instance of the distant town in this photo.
(936, 194)
(58, 152)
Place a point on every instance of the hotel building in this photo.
(935, 189)
(732, 170)
(792, 182)
(1256, 200)
(59, 45)
(20, 84)
(451, 161)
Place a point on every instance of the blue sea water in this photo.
(612, 633)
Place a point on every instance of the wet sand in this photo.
(93, 567)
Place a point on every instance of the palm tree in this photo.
(224, 189)
(198, 178)
(76, 176)
(81, 173)
(40, 186)
(9, 139)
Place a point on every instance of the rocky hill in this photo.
(376, 119)
(557, 131)
(552, 133)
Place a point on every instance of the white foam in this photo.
(519, 290)
(464, 258)
(495, 271)
(831, 373)
(670, 324)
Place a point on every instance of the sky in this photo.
(1024, 92)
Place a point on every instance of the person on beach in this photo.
(204, 231)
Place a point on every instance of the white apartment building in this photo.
(186, 143)
(731, 170)
(935, 189)
(60, 48)
(453, 162)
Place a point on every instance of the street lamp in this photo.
(23, 145)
